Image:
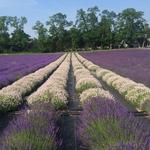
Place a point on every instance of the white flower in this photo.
(95, 92)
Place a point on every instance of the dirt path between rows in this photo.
(68, 119)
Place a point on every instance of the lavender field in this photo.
(13, 67)
(74, 75)
(72, 104)
(134, 64)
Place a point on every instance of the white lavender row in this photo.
(54, 89)
(86, 84)
(136, 93)
(13, 95)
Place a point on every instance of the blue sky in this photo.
(41, 9)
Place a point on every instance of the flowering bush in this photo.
(13, 95)
(94, 92)
(136, 93)
(84, 79)
(54, 89)
(16, 66)
(105, 124)
(33, 129)
(87, 85)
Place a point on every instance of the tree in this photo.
(143, 36)
(130, 24)
(106, 28)
(19, 40)
(42, 41)
(4, 34)
(92, 21)
(81, 21)
(92, 17)
(87, 23)
(58, 26)
(18, 23)
(76, 38)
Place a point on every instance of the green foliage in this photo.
(4, 35)
(106, 132)
(130, 24)
(59, 104)
(85, 86)
(42, 41)
(21, 139)
(20, 40)
(93, 29)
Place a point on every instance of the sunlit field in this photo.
(108, 107)
(74, 75)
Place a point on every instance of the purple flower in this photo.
(13, 67)
(105, 124)
(133, 64)
(35, 128)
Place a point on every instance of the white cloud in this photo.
(17, 3)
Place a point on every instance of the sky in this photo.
(41, 9)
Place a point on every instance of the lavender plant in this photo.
(34, 129)
(133, 64)
(13, 67)
(106, 124)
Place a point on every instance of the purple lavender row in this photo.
(32, 130)
(105, 124)
(13, 67)
(134, 64)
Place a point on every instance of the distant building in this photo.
(148, 42)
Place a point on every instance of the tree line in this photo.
(92, 29)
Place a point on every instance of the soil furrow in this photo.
(68, 119)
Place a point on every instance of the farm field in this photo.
(13, 67)
(134, 64)
(70, 103)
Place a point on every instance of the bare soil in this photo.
(68, 119)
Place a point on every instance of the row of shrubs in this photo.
(54, 89)
(87, 85)
(34, 129)
(104, 123)
(135, 93)
(13, 95)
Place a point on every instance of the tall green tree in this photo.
(77, 41)
(19, 40)
(92, 21)
(87, 23)
(130, 24)
(42, 39)
(92, 17)
(106, 28)
(58, 26)
(4, 33)
(144, 36)
(81, 21)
